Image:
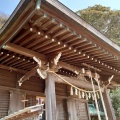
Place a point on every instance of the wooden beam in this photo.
(72, 80)
(22, 90)
(76, 82)
(24, 51)
(29, 53)
(12, 69)
(29, 92)
(68, 67)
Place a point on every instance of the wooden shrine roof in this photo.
(52, 29)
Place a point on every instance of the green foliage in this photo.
(3, 19)
(104, 19)
(115, 97)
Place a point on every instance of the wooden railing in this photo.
(29, 113)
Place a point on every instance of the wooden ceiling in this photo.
(47, 34)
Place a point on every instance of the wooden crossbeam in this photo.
(29, 92)
(69, 67)
(12, 69)
(29, 53)
(72, 80)
(76, 82)
(24, 51)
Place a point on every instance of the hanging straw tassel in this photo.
(93, 97)
(79, 94)
(89, 95)
(98, 95)
(76, 92)
(83, 94)
(71, 91)
(83, 70)
(86, 96)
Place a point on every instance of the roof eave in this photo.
(102, 38)
(21, 7)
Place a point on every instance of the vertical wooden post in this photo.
(50, 97)
(15, 101)
(110, 111)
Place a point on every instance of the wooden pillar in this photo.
(108, 104)
(50, 97)
(16, 103)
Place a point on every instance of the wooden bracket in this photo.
(53, 62)
(27, 75)
(108, 82)
(42, 73)
(40, 63)
(39, 69)
(42, 68)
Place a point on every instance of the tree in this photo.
(3, 19)
(104, 19)
(115, 97)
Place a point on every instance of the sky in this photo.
(76, 5)
(8, 6)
